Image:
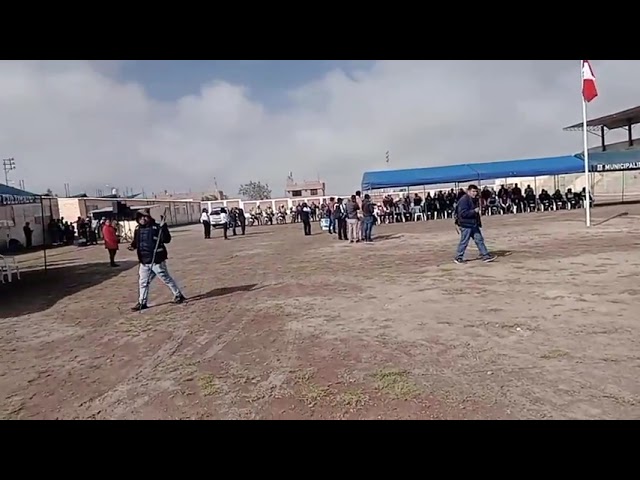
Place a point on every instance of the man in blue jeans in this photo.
(368, 219)
(149, 242)
(468, 219)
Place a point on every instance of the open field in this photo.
(285, 326)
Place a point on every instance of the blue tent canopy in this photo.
(536, 167)
(417, 176)
(12, 196)
(472, 172)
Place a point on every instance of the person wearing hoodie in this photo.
(149, 242)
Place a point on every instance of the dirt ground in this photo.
(282, 326)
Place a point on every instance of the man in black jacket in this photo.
(153, 261)
(305, 215)
(242, 220)
(468, 219)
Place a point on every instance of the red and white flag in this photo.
(589, 88)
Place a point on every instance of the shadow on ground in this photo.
(602, 222)
(222, 291)
(39, 290)
(215, 293)
(250, 233)
(389, 236)
(497, 253)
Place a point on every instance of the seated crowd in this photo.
(507, 200)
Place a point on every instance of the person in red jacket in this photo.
(110, 241)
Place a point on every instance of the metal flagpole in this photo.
(585, 139)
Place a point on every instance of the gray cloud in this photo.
(77, 122)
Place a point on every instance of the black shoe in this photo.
(179, 299)
(489, 259)
(114, 265)
(459, 261)
(139, 306)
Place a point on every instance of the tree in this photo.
(255, 191)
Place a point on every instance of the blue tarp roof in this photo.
(469, 172)
(535, 167)
(417, 176)
(11, 195)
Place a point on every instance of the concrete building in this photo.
(304, 189)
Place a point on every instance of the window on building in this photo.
(313, 191)
(296, 193)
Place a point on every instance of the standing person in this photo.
(360, 225)
(233, 220)
(110, 241)
(353, 213)
(242, 220)
(468, 219)
(206, 223)
(340, 216)
(149, 242)
(368, 218)
(330, 207)
(305, 216)
(224, 218)
(28, 235)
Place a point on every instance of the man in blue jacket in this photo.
(153, 261)
(468, 219)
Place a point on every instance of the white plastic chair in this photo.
(416, 214)
(8, 268)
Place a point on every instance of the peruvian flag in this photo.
(589, 88)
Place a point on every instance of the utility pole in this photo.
(8, 164)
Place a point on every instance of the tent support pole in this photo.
(622, 187)
(44, 233)
(535, 185)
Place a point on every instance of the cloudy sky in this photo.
(176, 125)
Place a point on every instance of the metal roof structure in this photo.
(622, 119)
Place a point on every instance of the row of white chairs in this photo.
(8, 268)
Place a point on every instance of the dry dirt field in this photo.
(282, 326)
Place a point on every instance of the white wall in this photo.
(14, 217)
(275, 203)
